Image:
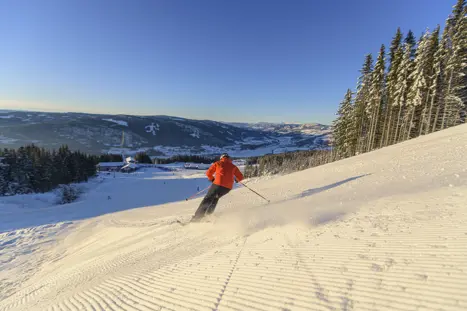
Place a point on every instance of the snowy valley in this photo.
(162, 136)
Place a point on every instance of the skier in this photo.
(226, 173)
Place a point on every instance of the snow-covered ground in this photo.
(119, 122)
(386, 230)
(6, 140)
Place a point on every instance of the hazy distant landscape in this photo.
(157, 135)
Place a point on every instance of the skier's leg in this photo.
(212, 206)
(221, 191)
(207, 201)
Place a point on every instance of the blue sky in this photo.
(255, 60)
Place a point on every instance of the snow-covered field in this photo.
(386, 230)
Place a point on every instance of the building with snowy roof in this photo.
(130, 160)
(129, 167)
(109, 166)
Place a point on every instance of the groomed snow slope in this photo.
(386, 230)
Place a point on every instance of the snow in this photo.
(177, 119)
(152, 128)
(7, 140)
(193, 130)
(198, 166)
(122, 123)
(10, 116)
(385, 230)
(130, 160)
(130, 165)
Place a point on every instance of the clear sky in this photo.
(237, 60)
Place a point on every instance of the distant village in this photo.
(129, 165)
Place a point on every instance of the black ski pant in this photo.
(209, 202)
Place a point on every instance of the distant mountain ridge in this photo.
(158, 135)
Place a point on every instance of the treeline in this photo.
(111, 158)
(187, 158)
(33, 169)
(140, 157)
(285, 163)
(417, 88)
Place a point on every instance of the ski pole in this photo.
(197, 193)
(254, 192)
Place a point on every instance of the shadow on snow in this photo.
(321, 217)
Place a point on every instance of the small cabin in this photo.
(109, 166)
(130, 160)
(129, 167)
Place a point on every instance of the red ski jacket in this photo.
(225, 172)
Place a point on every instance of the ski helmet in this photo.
(224, 155)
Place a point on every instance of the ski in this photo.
(182, 223)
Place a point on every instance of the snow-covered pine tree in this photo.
(23, 173)
(395, 58)
(418, 90)
(36, 181)
(342, 138)
(338, 132)
(455, 99)
(438, 85)
(351, 133)
(248, 171)
(395, 44)
(375, 103)
(10, 165)
(46, 165)
(462, 51)
(361, 99)
(391, 91)
(429, 72)
(4, 178)
(401, 89)
(410, 39)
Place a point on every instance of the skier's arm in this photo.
(210, 172)
(238, 174)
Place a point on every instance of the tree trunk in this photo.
(422, 122)
(359, 133)
(370, 137)
(375, 125)
(435, 121)
(409, 131)
(403, 125)
(396, 135)
(428, 125)
(443, 122)
(456, 117)
(386, 119)
(388, 130)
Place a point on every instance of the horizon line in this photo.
(150, 115)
